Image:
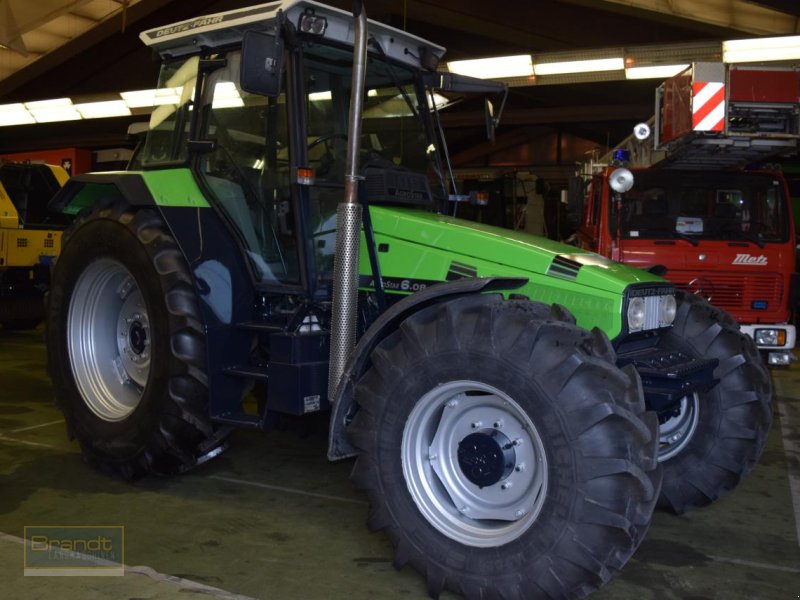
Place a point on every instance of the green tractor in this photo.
(512, 402)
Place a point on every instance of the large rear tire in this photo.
(126, 346)
(503, 452)
(715, 438)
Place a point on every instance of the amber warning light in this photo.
(305, 176)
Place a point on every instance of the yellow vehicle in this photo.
(29, 240)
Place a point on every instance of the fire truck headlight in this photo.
(770, 337)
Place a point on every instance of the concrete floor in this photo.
(273, 519)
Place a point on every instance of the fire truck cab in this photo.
(692, 213)
(726, 236)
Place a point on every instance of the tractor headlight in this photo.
(636, 314)
(650, 307)
(668, 308)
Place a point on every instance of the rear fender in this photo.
(83, 191)
(343, 403)
(172, 187)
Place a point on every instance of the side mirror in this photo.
(463, 84)
(262, 63)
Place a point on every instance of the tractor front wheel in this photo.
(503, 452)
(713, 439)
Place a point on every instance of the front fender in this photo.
(343, 403)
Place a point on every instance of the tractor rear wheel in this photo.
(126, 345)
(716, 437)
(503, 452)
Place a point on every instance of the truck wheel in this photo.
(503, 452)
(126, 346)
(716, 437)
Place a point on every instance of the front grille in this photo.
(731, 291)
(49, 243)
(652, 312)
(22, 242)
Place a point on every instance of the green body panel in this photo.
(89, 194)
(174, 187)
(168, 187)
(419, 248)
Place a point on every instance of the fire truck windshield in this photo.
(703, 205)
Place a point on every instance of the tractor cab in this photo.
(270, 157)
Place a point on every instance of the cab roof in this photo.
(227, 28)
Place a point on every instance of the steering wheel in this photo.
(329, 159)
(324, 139)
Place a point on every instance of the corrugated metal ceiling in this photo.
(29, 30)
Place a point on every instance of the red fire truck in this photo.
(687, 209)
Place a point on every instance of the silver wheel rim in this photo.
(108, 339)
(481, 516)
(677, 431)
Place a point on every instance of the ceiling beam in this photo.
(732, 14)
(531, 27)
(30, 15)
(555, 115)
(52, 60)
(501, 142)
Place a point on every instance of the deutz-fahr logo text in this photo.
(748, 259)
(181, 27)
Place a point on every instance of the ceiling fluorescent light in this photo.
(654, 71)
(15, 114)
(761, 49)
(49, 111)
(99, 110)
(494, 68)
(579, 66)
(146, 98)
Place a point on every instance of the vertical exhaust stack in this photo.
(348, 220)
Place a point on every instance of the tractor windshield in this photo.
(392, 129)
(705, 205)
(393, 132)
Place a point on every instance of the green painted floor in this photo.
(273, 519)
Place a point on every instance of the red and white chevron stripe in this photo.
(708, 106)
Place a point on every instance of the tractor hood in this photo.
(417, 249)
(497, 249)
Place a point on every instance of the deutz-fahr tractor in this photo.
(512, 403)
